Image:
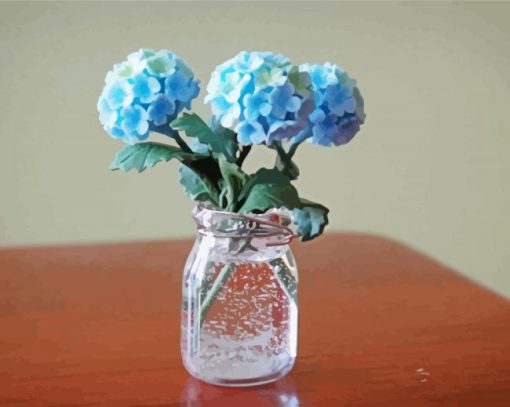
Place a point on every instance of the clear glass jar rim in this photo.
(219, 223)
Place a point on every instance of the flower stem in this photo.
(288, 163)
(281, 151)
(182, 144)
(169, 132)
(284, 161)
(285, 277)
(219, 282)
(242, 156)
(293, 148)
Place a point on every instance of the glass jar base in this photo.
(248, 382)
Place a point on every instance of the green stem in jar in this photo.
(215, 288)
(236, 245)
(285, 278)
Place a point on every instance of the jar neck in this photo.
(271, 228)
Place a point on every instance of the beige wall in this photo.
(430, 167)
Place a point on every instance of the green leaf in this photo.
(234, 179)
(311, 219)
(145, 155)
(194, 126)
(229, 140)
(268, 188)
(196, 187)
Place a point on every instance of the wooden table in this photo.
(380, 325)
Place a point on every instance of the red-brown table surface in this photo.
(380, 324)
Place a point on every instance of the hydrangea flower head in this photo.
(339, 110)
(145, 92)
(260, 96)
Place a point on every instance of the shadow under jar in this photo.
(239, 308)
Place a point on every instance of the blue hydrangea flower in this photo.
(145, 92)
(310, 221)
(260, 96)
(338, 109)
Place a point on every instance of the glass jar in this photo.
(239, 308)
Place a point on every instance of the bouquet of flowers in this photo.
(256, 98)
